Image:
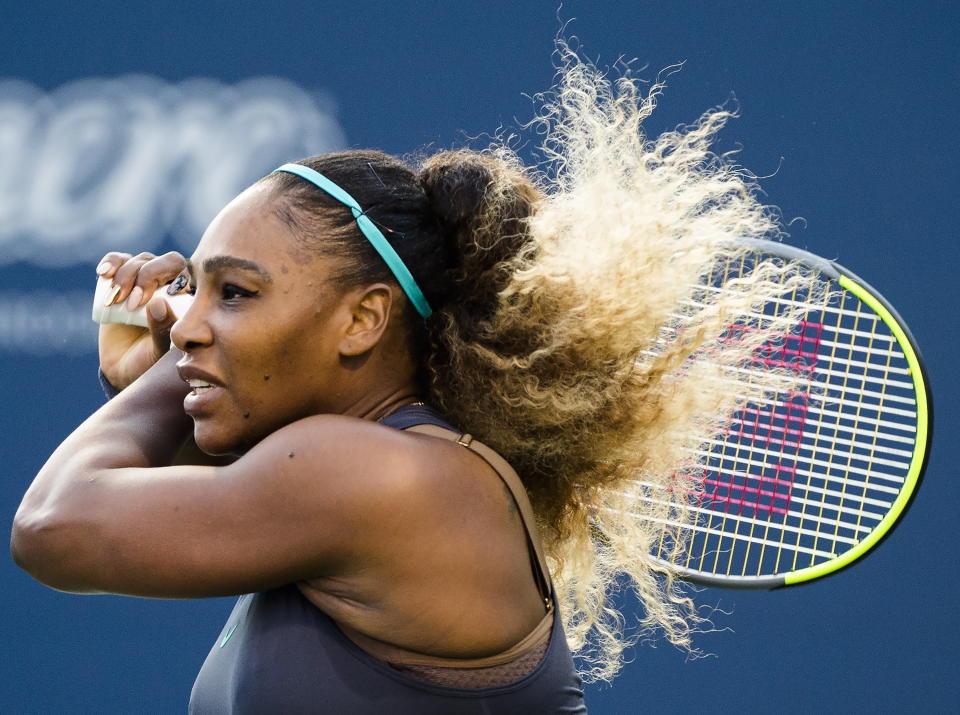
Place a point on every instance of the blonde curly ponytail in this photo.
(575, 330)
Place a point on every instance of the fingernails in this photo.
(158, 309)
(114, 292)
(178, 285)
(104, 268)
(133, 300)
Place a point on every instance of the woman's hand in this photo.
(127, 351)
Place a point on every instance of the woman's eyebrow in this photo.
(215, 263)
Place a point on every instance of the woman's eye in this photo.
(230, 292)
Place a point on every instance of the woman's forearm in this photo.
(144, 426)
(189, 452)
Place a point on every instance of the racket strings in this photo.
(876, 463)
(801, 477)
(801, 360)
(820, 432)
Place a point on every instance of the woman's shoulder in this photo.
(362, 460)
(397, 475)
(338, 437)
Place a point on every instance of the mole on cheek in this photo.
(246, 415)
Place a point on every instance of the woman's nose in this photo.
(192, 330)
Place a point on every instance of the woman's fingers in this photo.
(155, 273)
(135, 278)
(111, 262)
(160, 319)
(125, 277)
(127, 351)
(158, 272)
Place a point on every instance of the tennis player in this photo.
(373, 355)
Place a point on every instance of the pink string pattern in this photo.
(762, 483)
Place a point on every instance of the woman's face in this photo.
(261, 339)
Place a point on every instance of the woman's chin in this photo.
(215, 443)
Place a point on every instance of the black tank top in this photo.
(278, 653)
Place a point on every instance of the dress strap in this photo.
(517, 491)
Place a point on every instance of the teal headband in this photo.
(368, 229)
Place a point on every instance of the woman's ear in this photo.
(370, 313)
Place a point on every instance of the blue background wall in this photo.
(852, 105)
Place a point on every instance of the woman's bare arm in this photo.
(106, 513)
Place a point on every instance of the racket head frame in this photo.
(852, 283)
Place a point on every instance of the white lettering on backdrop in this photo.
(44, 323)
(120, 164)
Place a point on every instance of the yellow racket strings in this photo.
(870, 398)
(805, 477)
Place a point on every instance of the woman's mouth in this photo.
(201, 395)
(204, 388)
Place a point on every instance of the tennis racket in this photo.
(804, 484)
